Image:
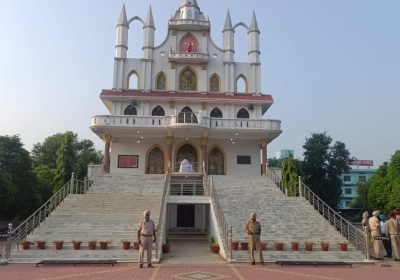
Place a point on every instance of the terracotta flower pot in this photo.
(215, 249)
(264, 246)
(59, 245)
(165, 248)
(244, 245)
(126, 245)
(325, 246)
(41, 245)
(92, 245)
(235, 245)
(309, 247)
(103, 245)
(77, 245)
(343, 246)
(295, 246)
(136, 245)
(279, 246)
(25, 246)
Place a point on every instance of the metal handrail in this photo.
(162, 225)
(223, 226)
(73, 186)
(354, 235)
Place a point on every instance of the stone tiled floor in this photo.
(122, 271)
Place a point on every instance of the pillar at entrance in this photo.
(264, 143)
(106, 161)
(204, 226)
(170, 139)
(204, 141)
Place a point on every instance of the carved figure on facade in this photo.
(189, 46)
(161, 82)
(188, 80)
(216, 162)
(214, 84)
(155, 162)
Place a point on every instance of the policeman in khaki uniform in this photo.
(146, 236)
(393, 228)
(253, 229)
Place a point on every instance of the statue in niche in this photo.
(189, 46)
(188, 81)
(214, 84)
(161, 82)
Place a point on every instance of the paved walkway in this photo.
(124, 271)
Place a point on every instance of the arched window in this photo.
(133, 80)
(158, 111)
(187, 116)
(130, 110)
(241, 84)
(214, 83)
(196, 16)
(161, 82)
(216, 113)
(243, 114)
(188, 80)
(189, 14)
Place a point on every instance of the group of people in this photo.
(382, 235)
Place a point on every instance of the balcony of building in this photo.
(189, 24)
(188, 57)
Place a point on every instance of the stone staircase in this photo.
(109, 211)
(283, 219)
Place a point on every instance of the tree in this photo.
(274, 162)
(377, 198)
(16, 168)
(65, 161)
(361, 201)
(323, 166)
(8, 193)
(45, 176)
(46, 153)
(291, 171)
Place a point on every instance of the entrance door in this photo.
(185, 217)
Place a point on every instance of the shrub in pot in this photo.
(343, 245)
(264, 246)
(104, 244)
(214, 245)
(279, 246)
(165, 246)
(309, 245)
(295, 245)
(76, 244)
(41, 244)
(235, 245)
(59, 244)
(25, 244)
(92, 244)
(126, 244)
(325, 246)
(244, 245)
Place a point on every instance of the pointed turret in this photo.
(253, 25)
(189, 9)
(189, 3)
(228, 21)
(149, 20)
(122, 17)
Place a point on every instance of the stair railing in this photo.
(219, 214)
(354, 235)
(162, 225)
(73, 186)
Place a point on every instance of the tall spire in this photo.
(254, 24)
(228, 21)
(149, 19)
(189, 2)
(122, 17)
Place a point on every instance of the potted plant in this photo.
(126, 244)
(214, 245)
(104, 244)
(41, 244)
(92, 244)
(76, 244)
(325, 246)
(343, 245)
(309, 245)
(295, 245)
(244, 245)
(235, 245)
(165, 246)
(136, 245)
(25, 244)
(279, 246)
(264, 246)
(59, 244)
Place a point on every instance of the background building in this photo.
(282, 154)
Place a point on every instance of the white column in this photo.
(204, 229)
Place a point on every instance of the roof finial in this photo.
(228, 21)
(149, 19)
(254, 25)
(122, 17)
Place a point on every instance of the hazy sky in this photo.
(329, 65)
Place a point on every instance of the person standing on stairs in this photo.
(253, 230)
(146, 236)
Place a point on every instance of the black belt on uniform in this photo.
(147, 235)
(394, 234)
(254, 234)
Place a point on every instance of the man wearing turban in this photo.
(379, 250)
(253, 230)
(146, 236)
(367, 230)
(386, 242)
(393, 228)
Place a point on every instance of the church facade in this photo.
(181, 101)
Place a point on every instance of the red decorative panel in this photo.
(128, 161)
(189, 44)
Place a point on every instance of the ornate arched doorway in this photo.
(216, 162)
(155, 162)
(187, 152)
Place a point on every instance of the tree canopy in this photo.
(291, 171)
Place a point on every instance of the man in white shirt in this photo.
(385, 234)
